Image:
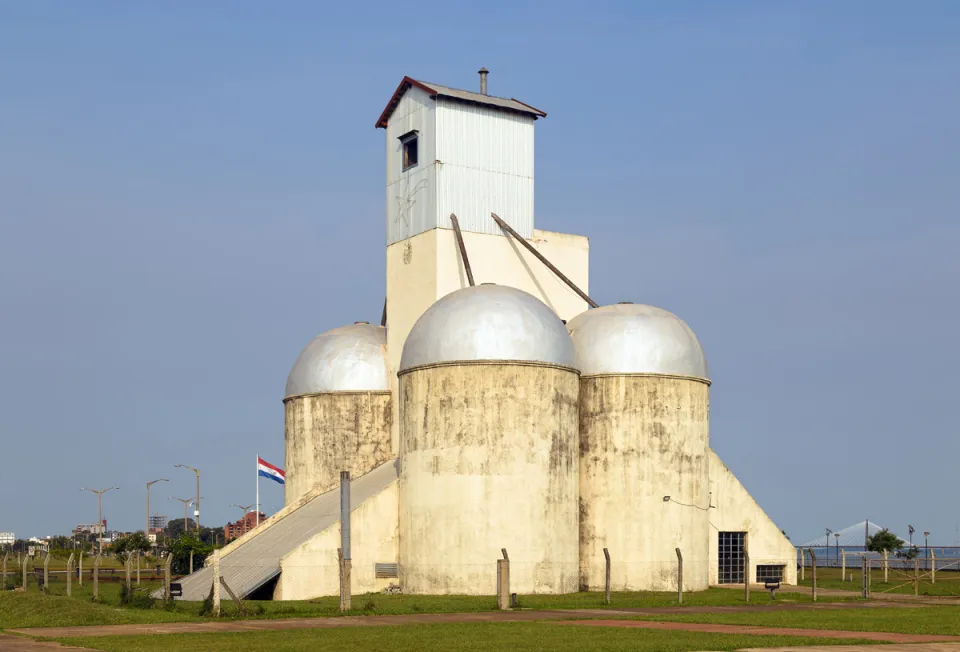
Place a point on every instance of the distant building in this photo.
(7, 538)
(157, 524)
(239, 528)
(90, 528)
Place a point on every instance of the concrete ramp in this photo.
(253, 560)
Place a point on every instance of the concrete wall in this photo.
(489, 461)
(311, 570)
(333, 432)
(427, 267)
(643, 438)
(736, 511)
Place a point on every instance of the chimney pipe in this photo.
(483, 80)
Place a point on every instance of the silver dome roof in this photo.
(629, 338)
(346, 359)
(488, 322)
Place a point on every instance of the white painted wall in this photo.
(311, 570)
(736, 511)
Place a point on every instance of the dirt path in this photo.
(20, 644)
(709, 628)
(902, 647)
(415, 619)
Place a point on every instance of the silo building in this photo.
(489, 446)
(496, 406)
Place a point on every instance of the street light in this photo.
(99, 493)
(197, 510)
(926, 544)
(836, 536)
(186, 502)
(146, 531)
(245, 510)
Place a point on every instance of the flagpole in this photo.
(258, 489)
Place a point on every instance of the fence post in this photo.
(916, 576)
(70, 576)
(345, 596)
(191, 563)
(843, 565)
(679, 576)
(813, 571)
(864, 581)
(3, 587)
(96, 577)
(746, 576)
(46, 573)
(803, 564)
(886, 568)
(167, 597)
(128, 571)
(606, 581)
(503, 581)
(139, 555)
(80, 572)
(216, 582)
(25, 586)
(933, 566)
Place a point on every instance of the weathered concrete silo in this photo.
(337, 409)
(488, 446)
(644, 430)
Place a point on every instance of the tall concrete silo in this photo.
(337, 406)
(488, 446)
(644, 431)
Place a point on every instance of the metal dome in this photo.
(629, 338)
(346, 359)
(488, 322)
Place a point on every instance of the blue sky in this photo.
(190, 191)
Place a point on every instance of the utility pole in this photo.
(146, 525)
(99, 493)
(196, 511)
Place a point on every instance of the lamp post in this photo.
(926, 543)
(197, 510)
(99, 493)
(186, 502)
(243, 521)
(836, 537)
(146, 525)
(829, 532)
(910, 532)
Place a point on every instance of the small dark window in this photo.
(410, 153)
(769, 572)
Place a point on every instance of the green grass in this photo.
(517, 637)
(904, 620)
(35, 610)
(900, 581)
(19, 610)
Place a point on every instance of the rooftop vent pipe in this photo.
(483, 80)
